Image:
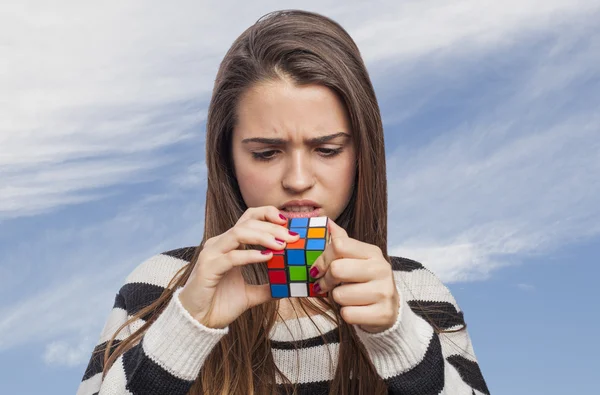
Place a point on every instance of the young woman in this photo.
(293, 130)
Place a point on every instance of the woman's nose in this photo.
(299, 175)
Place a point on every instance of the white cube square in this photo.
(298, 290)
(318, 222)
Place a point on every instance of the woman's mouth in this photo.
(301, 211)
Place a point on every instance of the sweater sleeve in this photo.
(167, 360)
(411, 356)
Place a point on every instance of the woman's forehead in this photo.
(282, 110)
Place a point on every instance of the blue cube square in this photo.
(299, 222)
(300, 231)
(295, 257)
(279, 291)
(315, 244)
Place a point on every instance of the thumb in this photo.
(258, 294)
(335, 230)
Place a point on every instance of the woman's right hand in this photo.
(216, 294)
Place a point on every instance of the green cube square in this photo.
(311, 257)
(297, 273)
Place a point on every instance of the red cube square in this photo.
(277, 277)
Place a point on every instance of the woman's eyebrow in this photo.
(315, 140)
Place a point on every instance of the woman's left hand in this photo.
(360, 279)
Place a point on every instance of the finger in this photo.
(321, 265)
(264, 213)
(258, 294)
(281, 233)
(342, 247)
(361, 294)
(369, 315)
(255, 232)
(335, 230)
(237, 258)
(346, 270)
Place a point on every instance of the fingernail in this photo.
(293, 233)
(314, 272)
(266, 252)
(317, 288)
(282, 217)
(279, 241)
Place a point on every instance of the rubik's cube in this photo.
(289, 269)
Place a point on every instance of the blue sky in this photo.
(493, 146)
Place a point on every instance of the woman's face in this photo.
(292, 148)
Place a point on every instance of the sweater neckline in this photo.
(302, 328)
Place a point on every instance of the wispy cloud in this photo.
(465, 215)
(526, 287)
(63, 353)
(71, 183)
(405, 30)
(54, 311)
(89, 263)
(521, 179)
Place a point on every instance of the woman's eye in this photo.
(328, 152)
(271, 154)
(264, 155)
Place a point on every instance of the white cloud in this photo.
(464, 214)
(522, 179)
(70, 183)
(410, 29)
(55, 311)
(64, 353)
(194, 176)
(77, 270)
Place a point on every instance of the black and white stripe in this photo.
(411, 357)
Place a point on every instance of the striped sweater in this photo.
(411, 357)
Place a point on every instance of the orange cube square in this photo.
(299, 245)
(316, 233)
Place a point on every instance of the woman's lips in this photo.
(317, 212)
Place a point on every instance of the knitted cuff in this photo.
(178, 342)
(400, 347)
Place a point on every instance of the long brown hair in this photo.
(305, 48)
